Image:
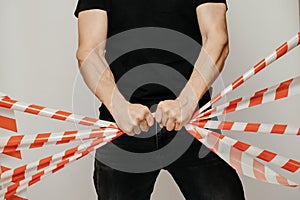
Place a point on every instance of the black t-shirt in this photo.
(173, 45)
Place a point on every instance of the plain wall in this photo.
(38, 65)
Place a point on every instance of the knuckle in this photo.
(127, 130)
(172, 115)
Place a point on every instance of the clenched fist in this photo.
(132, 118)
(174, 114)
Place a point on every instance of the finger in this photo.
(161, 125)
(136, 130)
(158, 115)
(149, 119)
(170, 125)
(130, 134)
(164, 119)
(178, 126)
(127, 130)
(144, 126)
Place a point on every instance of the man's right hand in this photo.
(131, 118)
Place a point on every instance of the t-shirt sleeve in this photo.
(90, 4)
(199, 2)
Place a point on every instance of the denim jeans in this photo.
(198, 177)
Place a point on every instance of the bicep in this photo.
(212, 20)
(92, 30)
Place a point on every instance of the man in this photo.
(202, 20)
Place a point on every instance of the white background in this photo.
(37, 65)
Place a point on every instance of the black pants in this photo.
(199, 178)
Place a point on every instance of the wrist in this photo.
(187, 101)
(115, 101)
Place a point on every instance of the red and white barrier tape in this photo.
(27, 181)
(280, 91)
(278, 53)
(8, 103)
(265, 155)
(20, 172)
(240, 156)
(32, 141)
(282, 129)
(8, 160)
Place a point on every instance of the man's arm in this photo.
(213, 27)
(174, 114)
(92, 28)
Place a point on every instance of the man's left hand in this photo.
(174, 114)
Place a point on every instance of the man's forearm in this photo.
(207, 68)
(99, 78)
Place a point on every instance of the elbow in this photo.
(83, 53)
(79, 57)
(223, 43)
(226, 49)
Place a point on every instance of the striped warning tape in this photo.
(53, 113)
(281, 91)
(19, 173)
(15, 143)
(240, 156)
(282, 129)
(27, 181)
(278, 53)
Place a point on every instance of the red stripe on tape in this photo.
(60, 165)
(4, 169)
(261, 65)
(217, 135)
(282, 180)
(257, 98)
(201, 124)
(279, 128)
(291, 165)
(12, 189)
(97, 133)
(252, 127)
(88, 121)
(209, 112)
(238, 82)
(266, 155)
(70, 152)
(241, 146)
(225, 125)
(19, 174)
(40, 140)
(12, 144)
(232, 105)
(195, 134)
(15, 154)
(7, 103)
(280, 51)
(235, 159)
(8, 123)
(45, 162)
(61, 115)
(68, 136)
(283, 89)
(36, 178)
(259, 170)
(34, 109)
(216, 98)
